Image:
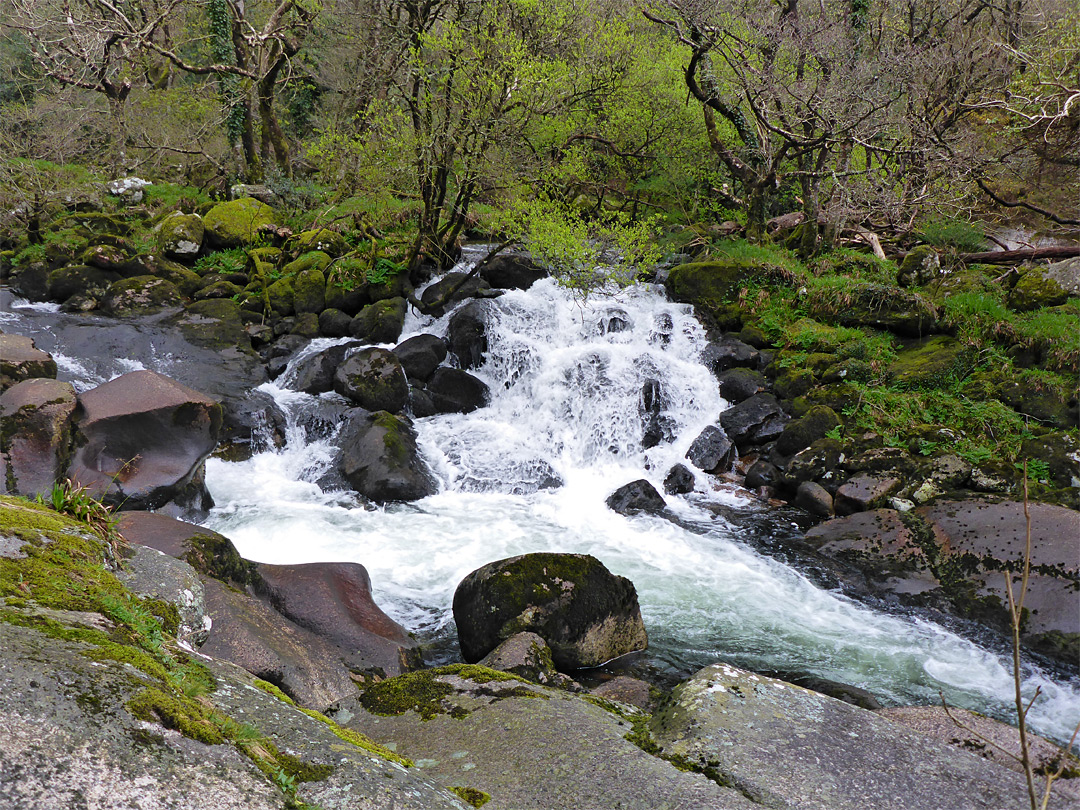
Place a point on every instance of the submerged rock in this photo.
(586, 614)
(636, 497)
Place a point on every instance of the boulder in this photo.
(315, 374)
(380, 460)
(679, 480)
(71, 280)
(433, 295)
(217, 288)
(236, 223)
(35, 434)
(762, 474)
(31, 280)
(420, 356)
(754, 421)
(139, 295)
(187, 281)
(932, 363)
(527, 656)
(467, 333)
(727, 353)
(802, 432)
(1066, 274)
(906, 313)
(815, 499)
(455, 391)
(525, 746)
(713, 287)
(635, 498)
(374, 380)
(322, 239)
(656, 426)
(737, 384)
(771, 739)
(511, 271)
(1036, 289)
(624, 689)
(280, 295)
(334, 323)
(712, 451)
(309, 291)
(142, 438)
(586, 614)
(863, 492)
(920, 266)
(155, 575)
(380, 322)
(20, 360)
(180, 236)
(819, 462)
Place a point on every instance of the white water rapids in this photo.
(566, 380)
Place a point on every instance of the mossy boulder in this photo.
(880, 306)
(151, 264)
(309, 291)
(180, 236)
(586, 614)
(920, 266)
(312, 260)
(380, 322)
(801, 433)
(140, 294)
(236, 223)
(306, 324)
(713, 288)
(1036, 289)
(216, 324)
(1051, 402)
(91, 282)
(218, 289)
(933, 363)
(281, 297)
(380, 459)
(374, 379)
(319, 239)
(30, 279)
(96, 222)
(397, 285)
(107, 257)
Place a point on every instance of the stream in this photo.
(531, 472)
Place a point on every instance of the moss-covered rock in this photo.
(311, 260)
(306, 325)
(280, 295)
(864, 304)
(218, 289)
(933, 363)
(380, 459)
(396, 285)
(713, 287)
(216, 324)
(319, 239)
(1035, 290)
(380, 322)
(236, 223)
(80, 280)
(920, 266)
(107, 257)
(140, 294)
(180, 236)
(152, 264)
(586, 614)
(801, 433)
(309, 291)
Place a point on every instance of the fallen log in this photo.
(1022, 255)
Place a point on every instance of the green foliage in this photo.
(76, 501)
(1036, 469)
(953, 233)
(471, 796)
(172, 196)
(233, 260)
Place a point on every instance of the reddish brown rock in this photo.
(864, 492)
(142, 438)
(35, 434)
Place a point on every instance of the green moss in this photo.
(303, 771)
(216, 556)
(424, 693)
(359, 740)
(270, 689)
(238, 222)
(188, 716)
(471, 796)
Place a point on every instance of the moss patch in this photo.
(471, 796)
(359, 740)
(423, 692)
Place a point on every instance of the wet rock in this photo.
(512, 271)
(840, 691)
(187, 281)
(333, 600)
(455, 391)
(141, 439)
(140, 294)
(527, 746)
(815, 499)
(679, 480)
(435, 293)
(91, 282)
(315, 374)
(380, 322)
(754, 421)
(21, 360)
(656, 427)
(770, 739)
(727, 353)
(467, 334)
(374, 380)
(712, 451)
(35, 435)
(180, 236)
(883, 459)
(251, 425)
(737, 384)
(624, 689)
(380, 459)
(762, 474)
(31, 280)
(420, 356)
(635, 498)
(864, 492)
(819, 462)
(586, 614)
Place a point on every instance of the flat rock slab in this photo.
(20, 360)
(533, 748)
(787, 747)
(997, 530)
(864, 492)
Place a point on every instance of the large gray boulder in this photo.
(526, 746)
(786, 747)
(380, 460)
(586, 614)
(374, 380)
(142, 438)
(35, 434)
